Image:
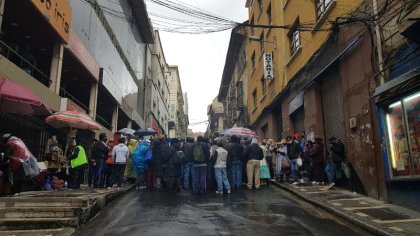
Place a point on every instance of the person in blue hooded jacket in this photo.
(140, 158)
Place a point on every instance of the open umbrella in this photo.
(72, 119)
(16, 98)
(241, 132)
(127, 131)
(145, 132)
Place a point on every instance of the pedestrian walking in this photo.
(120, 154)
(221, 156)
(100, 154)
(188, 162)
(174, 166)
(201, 154)
(253, 154)
(78, 164)
(235, 154)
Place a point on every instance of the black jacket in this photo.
(337, 152)
(253, 152)
(161, 152)
(206, 152)
(188, 152)
(173, 166)
(235, 152)
(293, 150)
(100, 151)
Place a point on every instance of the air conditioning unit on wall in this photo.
(353, 123)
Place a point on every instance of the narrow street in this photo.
(269, 211)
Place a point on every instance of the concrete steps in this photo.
(42, 202)
(39, 232)
(37, 223)
(40, 212)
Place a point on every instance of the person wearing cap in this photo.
(281, 152)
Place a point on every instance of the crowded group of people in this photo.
(220, 165)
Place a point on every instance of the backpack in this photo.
(198, 153)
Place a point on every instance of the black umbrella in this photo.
(145, 132)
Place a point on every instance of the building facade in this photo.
(82, 58)
(178, 120)
(156, 89)
(233, 87)
(215, 112)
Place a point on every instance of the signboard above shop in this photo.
(58, 13)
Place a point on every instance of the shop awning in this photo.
(399, 85)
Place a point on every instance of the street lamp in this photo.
(258, 39)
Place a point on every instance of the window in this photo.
(294, 38)
(263, 85)
(403, 130)
(253, 60)
(322, 6)
(254, 97)
(269, 16)
(262, 42)
(252, 24)
(260, 5)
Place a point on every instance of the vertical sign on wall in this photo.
(268, 66)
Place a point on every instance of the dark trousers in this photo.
(150, 178)
(91, 174)
(269, 160)
(140, 177)
(119, 173)
(318, 171)
(77, 175)
(174, 183)
(98, 180)
(108, 175)
(199, 180)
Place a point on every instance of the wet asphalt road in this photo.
(269, 211)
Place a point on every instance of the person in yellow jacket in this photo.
(78, 164)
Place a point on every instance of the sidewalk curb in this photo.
(357, 222)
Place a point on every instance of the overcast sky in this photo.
(201, 58)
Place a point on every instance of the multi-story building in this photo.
(75, 55)
(215, 113)
(233, 87)
(178, 121)
(157, 93)
(186, 110)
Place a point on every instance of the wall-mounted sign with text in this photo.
(268, 66)
(58, 14)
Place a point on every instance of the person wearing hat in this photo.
(281, 160)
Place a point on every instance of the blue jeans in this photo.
(221, 179)
(294, 168)
(188, 171)
(330, 171)
(199, 178)
(236, 174)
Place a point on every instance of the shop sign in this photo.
(268, 66)
(69, 105)
(58, 13)
(79, 50)
(296, 103)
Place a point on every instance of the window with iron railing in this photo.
(254, 97)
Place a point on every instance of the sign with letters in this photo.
(268, 66)
(58, 13)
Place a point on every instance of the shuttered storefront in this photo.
(332, 106)
(299, 121)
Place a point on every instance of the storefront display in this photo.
(403, 129)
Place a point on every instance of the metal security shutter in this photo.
(332, 107)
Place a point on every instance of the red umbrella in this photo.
(16, 98)
(72, 119)
(239, 131)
